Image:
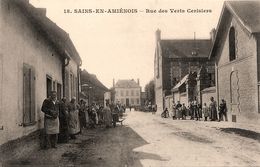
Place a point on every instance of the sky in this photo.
(122, 45)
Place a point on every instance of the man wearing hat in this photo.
(51, 119)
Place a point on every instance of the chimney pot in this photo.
(158, 35)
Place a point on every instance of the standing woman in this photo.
(74, 125)
(213, 109)
(173, 111)
(107, 115)
(82, 114)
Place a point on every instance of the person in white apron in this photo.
(74, 124)
(51, 119)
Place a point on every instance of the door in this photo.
(58, 91)
(48, 85)
(127, 102)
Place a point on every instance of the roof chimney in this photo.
(138, 81)
(158, 35)
(213, 34)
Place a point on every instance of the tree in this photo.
(150, 93)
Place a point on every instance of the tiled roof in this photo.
(181, 48)
(58, 38)
(91, 80)
(248, 12)
(126, 84)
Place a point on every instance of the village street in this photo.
(148, 140)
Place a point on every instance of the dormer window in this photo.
(232, 44)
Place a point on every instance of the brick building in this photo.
(236, 51)
(176, 58)
(36, 56)
(127, 92)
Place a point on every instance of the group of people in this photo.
(64, 120)
(196, 111)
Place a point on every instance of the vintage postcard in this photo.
(149, 83)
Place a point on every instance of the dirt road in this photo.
(148, 140)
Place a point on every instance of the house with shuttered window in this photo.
(36, 57)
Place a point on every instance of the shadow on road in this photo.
(116, 147)
(101, 147)
(243, 132)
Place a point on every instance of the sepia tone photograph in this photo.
(151, 83)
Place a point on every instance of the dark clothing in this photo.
(223, 111)
(50, 109)
(213, 111)
(63, 136)
(51, 122)
(82, 117)
(206, 118)
(92, 116)
(198, 112)
(183, 111)
(178, 111)
(52, 140)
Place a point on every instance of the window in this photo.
(122, 93)
(137, 93)
(132, 101)
(48, 86)
(53, 85)
(72, 85)
(58, 91)
(212, 79)
(137, 101)
(126, 93)
(232, 44)
(28, 95)
(132, 92)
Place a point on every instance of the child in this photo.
(205, 111)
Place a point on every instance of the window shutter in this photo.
(26, 94)
(32, 80)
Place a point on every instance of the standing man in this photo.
(51, 119)
(222, 110)
(63, 119)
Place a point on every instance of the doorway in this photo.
(49, 86)
(127, 102)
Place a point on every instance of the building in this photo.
(128, 92)
(176, 58)
(236, 51)
(36, 56)
(92, 90)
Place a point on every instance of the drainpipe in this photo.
(78, 76)
(216, 81)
